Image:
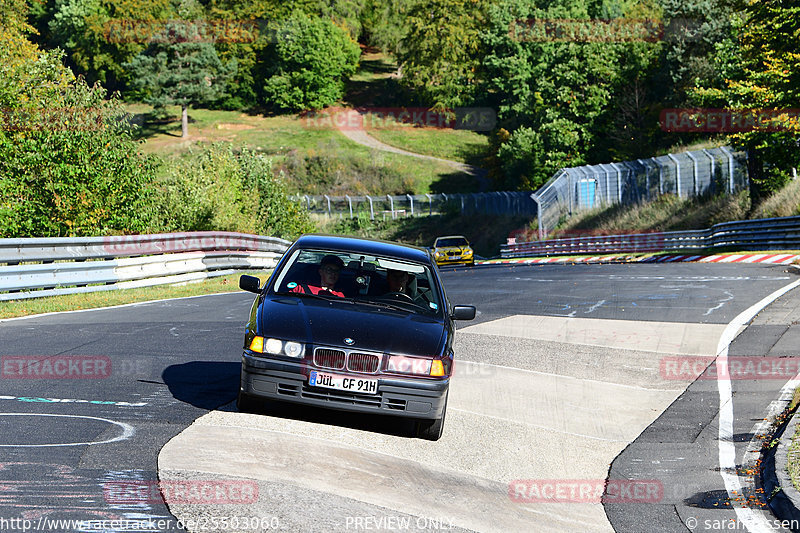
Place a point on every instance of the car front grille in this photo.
(327, 358)
(337, 359)
(363, 362)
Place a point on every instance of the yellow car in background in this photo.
(452, 250)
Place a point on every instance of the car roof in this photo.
(452, 237)
(363, 245)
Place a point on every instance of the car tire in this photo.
(431, 429)
(245, 403)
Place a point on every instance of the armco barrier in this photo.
(762, 234)
(82, 248)
(31, 268)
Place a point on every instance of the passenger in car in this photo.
(329, 268)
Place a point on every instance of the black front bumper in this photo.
(288, 381)
(460, 261)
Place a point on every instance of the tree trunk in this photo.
(184, 121)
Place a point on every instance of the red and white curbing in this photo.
(775, 259)
(544, 260)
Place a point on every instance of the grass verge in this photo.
(793, 462)
(91, 300)
(282, 137)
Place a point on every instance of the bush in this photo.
(324, 171)
(309, 63)
(71, 168)
(217, 188)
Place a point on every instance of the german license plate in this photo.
(346, 383)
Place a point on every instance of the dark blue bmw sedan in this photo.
(352, 324)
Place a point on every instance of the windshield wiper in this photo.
(390, 305)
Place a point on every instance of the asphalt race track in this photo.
(569, 376)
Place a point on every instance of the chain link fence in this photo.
(389, 206)
(592, 186)
(569, 191)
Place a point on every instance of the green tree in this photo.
(440, 52)
(384, 24)
(13, 16)
(308, 63)
(181, 68)
(554, 94)
(691, 31)
(761, 63)
(100, 36)
(255, 53)
(68, 164)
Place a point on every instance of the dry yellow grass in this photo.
(72, 302)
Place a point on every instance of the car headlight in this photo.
(293, 349)
(415, 365)
(276, 347)
(467, 252)
(437, 255)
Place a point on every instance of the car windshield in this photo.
(385, 282)
(451, 241)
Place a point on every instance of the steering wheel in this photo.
(397, 296)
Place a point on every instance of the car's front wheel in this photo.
(431, 429)
(245, 403)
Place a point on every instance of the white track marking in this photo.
(127, 431)
(752, 520)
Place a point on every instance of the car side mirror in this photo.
(463, 312)
(250, 284)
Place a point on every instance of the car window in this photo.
(453, 241)
(364, 278)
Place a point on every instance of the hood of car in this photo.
(330, 322)
(453, 249)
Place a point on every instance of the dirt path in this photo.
(363, 138)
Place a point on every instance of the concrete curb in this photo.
(786, 502)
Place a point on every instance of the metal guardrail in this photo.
(83, 248)
(762, 234)
(33, 268)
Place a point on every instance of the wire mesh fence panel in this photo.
(490, 203)
(686, 174)
(570, 190)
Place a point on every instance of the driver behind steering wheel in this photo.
(399, 281)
